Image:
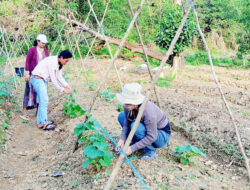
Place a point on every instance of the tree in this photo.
(167, 28)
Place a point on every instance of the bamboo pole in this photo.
(60, 38)
(116, 55)
(8, 57)
(100, 68)
(109, 49)
(222, 94)
(80, 54)
(93, 42)
(143, 106)
(145, 53)
(77, 43)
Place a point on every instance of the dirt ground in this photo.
(194, 108)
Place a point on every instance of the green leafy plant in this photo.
(245, 113)
(107, 95)
(74, 184)
(165, 82)
(120, 108)
(167, 28)
(7, 102)
(96, 149)
(72, 109)
(185, 152)
(6, 85)
(91, 86)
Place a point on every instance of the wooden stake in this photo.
(145, 53)
(109, 49)
(222, 94)
(116, 54)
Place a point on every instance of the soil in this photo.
(194, 108)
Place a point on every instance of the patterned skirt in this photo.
(30, 97)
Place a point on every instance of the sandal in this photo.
(149, 156)
(49, 127)
(48, 123)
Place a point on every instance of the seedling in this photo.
(96, 150)
(185, 152)
(107, 172)
(107, 95)
(60, 148)
(65, 76)
(25, 121)
(248, 152)
(96, 177)
(120, 108)
(91, 86)
(246, 114)
(72, 109)
(74, 184)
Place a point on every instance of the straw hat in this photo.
(42, 38)
(131, 94)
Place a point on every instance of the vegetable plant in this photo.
(120, 108)
(96, 149)
(185, 152)
(107, 95)
(7, 102)
(72, 109)
(91, 86)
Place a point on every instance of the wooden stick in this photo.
(109, 49)
(222, 94)
(93, 42)
(85, 72)
(145, 53)
(116, 54)
(8, 57)
(143, 106)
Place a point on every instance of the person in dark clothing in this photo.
(153, 130)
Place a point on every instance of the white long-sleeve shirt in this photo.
(48, 69)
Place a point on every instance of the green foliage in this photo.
(217, 14)
(7, 102)
(107, 95)
(74, 184)
(244, 44)
(167, 29)
(6, 87)
(201, 58)
(72, 109)
(165, 82)
(120, 107)
(185, 152)
(5, 123)
(231, 150)
(245, 113)
(90, 85)
(96, 150)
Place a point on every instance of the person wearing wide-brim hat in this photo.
(153, 130)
